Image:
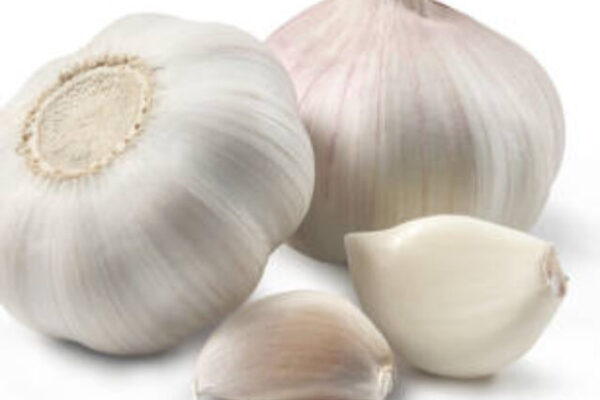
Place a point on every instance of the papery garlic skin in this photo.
(415, 109)
(457, 296)
(297, 345)
(155, 171)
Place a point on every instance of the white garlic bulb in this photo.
(457, 296)
(298, 345)
(415, 109)
(155, 171)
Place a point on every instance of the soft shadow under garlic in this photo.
(566, 226)
(521, 378)
(80, 352)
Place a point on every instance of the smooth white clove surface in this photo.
(457, 296)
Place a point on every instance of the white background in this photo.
(564, 365)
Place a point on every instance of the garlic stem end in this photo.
(555, 277)
(386, 382)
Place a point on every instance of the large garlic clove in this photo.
(156, 171)
(298, 345)
(457, 296)
(415, 109)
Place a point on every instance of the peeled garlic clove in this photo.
(298, 345)
(155, 171)
(415, 109)
(457, 296)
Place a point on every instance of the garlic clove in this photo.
(415, 109)
(297, 345)
(154, 173)
(454, 295)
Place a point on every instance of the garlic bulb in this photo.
(457, 296)
(155, 171)
(298, 345)
(415, 109)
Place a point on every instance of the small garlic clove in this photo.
(454, 295)
(298, 345)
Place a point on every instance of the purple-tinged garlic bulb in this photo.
(415, 109)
